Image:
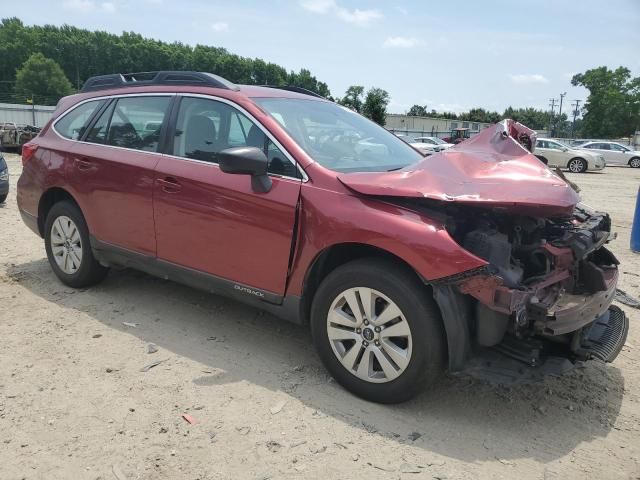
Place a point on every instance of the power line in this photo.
(553, 106)
(575, 114)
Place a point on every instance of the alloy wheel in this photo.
(576, 165)
(66, 244)
(369, 335)
(635, 162)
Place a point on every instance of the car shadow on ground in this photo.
(458, 417)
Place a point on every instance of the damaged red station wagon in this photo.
(478, 258)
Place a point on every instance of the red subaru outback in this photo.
(402, 265)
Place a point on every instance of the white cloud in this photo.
(318, 6)
(401, 42)
(86, 6)
(220, 27)
(80, 5)
(355, 17)
(528, 78)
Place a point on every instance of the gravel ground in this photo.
(74, 403)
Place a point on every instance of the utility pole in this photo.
(562, 95)
(553, 106)
(575, 114)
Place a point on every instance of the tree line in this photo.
(82, 53)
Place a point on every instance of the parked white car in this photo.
(438, 142)
(426, 148)
(557, 154)
(614, 153)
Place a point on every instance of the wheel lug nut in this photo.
(377, 329)
(366, 322)
(377, 343)
(358, 330)
(365, 343)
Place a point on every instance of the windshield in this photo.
(437, 140)
(338, 138)
(563, 145)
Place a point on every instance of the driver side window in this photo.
(205, 127)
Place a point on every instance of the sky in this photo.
(448, 55)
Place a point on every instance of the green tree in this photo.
(613, 106)
(83, 53)
(42, 77)
(531, 117)
(375, 105)
(418, 111)
(353, 98)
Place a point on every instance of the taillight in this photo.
(28, 149)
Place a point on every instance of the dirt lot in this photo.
(74, 403)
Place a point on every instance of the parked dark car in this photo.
(4, 179)
(403, 266)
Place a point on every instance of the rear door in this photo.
(603, 149)
(112, 171)
(213, 222)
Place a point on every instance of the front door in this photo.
(213, 222)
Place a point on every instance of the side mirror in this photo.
(247, 161)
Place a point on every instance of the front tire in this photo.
(377, 330)
(66, 239)
(3, 198)
(634, 162)
(577, 165)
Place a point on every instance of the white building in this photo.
(428, 126)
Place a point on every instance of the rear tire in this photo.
(577, 165)
(389, 366)
(66, 239)
(3, 198)
(634, 162)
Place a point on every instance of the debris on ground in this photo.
(146, 368)
(152, 348)
(624, 297)
(97, 335)
(413, 436)
(277, 407)
(189, 419)
(130, 324)
(273, 446)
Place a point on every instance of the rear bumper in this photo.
(30, 221)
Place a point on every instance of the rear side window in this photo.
(131, 122)
(74, 123)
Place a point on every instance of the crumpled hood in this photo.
(492, 169)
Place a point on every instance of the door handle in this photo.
(169, 184)
(84, 164)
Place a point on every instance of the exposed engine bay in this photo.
(547, 288)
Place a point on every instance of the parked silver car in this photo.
(557, 154)
(614, 153)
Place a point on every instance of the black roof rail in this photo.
(142, 79)
(291, 88)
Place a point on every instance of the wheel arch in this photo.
(338, 254)
(48, 199)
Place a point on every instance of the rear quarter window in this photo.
(73, 124)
